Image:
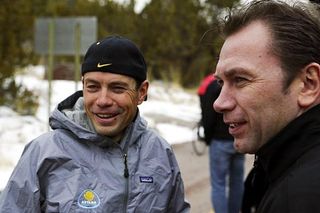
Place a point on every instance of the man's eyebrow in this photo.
(234, 71)
(230, 72)
(119, 83)
(90, 80)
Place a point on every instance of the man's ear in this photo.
(143, 91)
(309, 94)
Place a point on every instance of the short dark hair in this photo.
(295, 30)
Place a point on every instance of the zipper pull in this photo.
(126, 171)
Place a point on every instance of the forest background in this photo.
(170, 33)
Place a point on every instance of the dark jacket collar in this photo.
(290, 143)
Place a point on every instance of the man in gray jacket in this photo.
(100, 156)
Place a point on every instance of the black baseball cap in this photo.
(115, 54)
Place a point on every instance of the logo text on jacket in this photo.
(146, 179)
(88, 199)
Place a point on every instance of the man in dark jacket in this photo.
(226, 164)
(269, 70)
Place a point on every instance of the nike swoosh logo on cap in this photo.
(103, 65)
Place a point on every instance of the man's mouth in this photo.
(233, 125)
(106, 116)
(236, 128)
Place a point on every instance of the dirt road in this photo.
(195, 172)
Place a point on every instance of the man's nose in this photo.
(224, 102)
(104, 98)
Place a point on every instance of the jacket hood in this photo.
(70, 115)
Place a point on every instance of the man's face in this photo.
(253, 101)
(111, 101)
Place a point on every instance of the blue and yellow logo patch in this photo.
(88, 199)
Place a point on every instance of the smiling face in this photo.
(111, 101)
(253, 100)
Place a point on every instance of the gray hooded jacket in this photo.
(73, 169)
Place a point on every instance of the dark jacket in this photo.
(288, 176)
(212, 122)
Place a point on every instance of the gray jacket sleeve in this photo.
(22, 191)
(178, 203)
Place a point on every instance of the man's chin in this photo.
(105, 131)
(241, 146)
(109, 132)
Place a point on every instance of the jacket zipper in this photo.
(255, 165)
(126, 171)
(126, 176)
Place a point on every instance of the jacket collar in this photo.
(290, 143)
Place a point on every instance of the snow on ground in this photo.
(169, 110)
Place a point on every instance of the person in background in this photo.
(226, 164)
(269, 70)
(100, 156)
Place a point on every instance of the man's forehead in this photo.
(107, 77)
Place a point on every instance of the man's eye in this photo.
(119, 89)
(220, 82)
(92, 87)
(240, 80)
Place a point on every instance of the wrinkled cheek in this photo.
(253, 134)
(132, 95)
